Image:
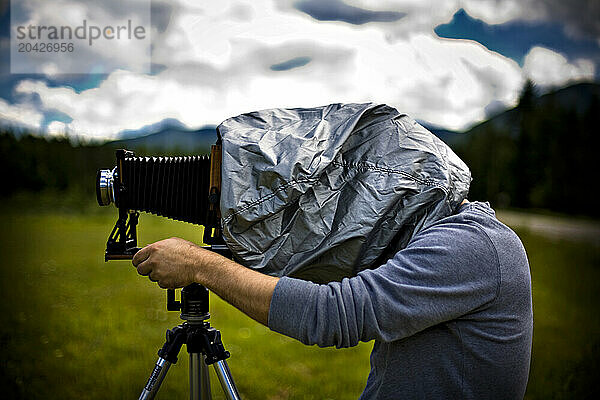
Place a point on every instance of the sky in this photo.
(450, 63)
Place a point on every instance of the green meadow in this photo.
(72, 326)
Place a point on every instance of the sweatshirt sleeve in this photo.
(446, 272)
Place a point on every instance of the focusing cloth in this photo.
(323, 193)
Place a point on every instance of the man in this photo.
(451, 314)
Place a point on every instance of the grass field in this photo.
(72, 326)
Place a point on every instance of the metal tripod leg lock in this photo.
(199, 339)
(206, 340)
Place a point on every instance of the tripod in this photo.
(203, 344)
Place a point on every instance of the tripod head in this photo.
(193, 305)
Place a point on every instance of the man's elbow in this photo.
(330, 338)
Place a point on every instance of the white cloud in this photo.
(548, 68)
(498, 12)
(218, 58)
(20, 115)
(578, 17)
(422, 16)
(57, 128)
(123, 101)
(85, 55)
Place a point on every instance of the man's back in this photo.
(451, 314)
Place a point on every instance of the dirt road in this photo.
(553, 226)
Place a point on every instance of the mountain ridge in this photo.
(170, 135)
(171, 139)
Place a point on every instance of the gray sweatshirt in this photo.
(451, 314)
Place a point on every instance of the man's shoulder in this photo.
(475, 219)
(472, 232)
(504, 239)
(470, 228)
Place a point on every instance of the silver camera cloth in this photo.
(323, 193)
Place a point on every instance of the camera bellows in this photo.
(174, 187)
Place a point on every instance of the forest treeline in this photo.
(541, 154)
(36, 164)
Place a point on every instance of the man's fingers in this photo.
(163, 285)
(141, 256)
(144, 269)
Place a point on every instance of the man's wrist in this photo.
(200, 266)
(246, 289)
(206, 264)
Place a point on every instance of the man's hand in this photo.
(172, 263)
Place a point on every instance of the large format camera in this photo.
(185, 189)
(182, 188)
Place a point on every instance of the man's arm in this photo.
(174, 263)
(445, 272)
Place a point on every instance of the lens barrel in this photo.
(105, 193)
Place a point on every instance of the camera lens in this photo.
(104, 187)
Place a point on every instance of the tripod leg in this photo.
(167, 355)
(226, 379)
(156, 377)
(199, 378)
